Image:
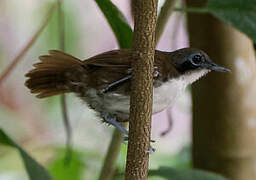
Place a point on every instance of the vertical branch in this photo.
(28, 45)
(63, 97)
(61, 26)
(163, 17)
(142, 87)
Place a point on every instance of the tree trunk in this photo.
(142, 87)
(224, 114)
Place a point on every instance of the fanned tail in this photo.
(48, 78)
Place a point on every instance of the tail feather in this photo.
(48, 78)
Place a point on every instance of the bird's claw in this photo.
(150, 150)
(113, 121)
(125, 139)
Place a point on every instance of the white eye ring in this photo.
(197, 59)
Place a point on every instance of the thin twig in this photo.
(163, 17)
(28, 45)
(109, 165)
(66, 121)
(68, 129)
(61, 26)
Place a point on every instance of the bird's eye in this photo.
(197, 59)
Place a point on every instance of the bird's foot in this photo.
(150, 150)
(112, 120)
(170, 124)
(125, 138)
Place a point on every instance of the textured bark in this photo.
(142, 85)
(224, 124)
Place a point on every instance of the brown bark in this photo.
(224, 112)
(142, 85)
(163, 16)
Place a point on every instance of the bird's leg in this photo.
(112, 120)
(170, 123)
(128, 77)
(115, 83)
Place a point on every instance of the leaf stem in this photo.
(163, 17)
(66, 121)
(109, 164)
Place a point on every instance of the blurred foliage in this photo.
(181, 174)
(240, 13)
(179, 160)
(72, 33)
(73, 170)
(165, 166)
(35, 170)
(118, 23)
(51, 40)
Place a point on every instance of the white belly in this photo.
(165, 95)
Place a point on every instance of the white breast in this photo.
(165, 95)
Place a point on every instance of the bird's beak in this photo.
(216, 67)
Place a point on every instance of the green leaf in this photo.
(240, 13)
(34, 169)
(74, 170)
(184, 174)
(118, 23)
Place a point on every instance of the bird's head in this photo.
(190, 59)
(194, 62)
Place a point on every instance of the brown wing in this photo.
(117, 58)
(59, 72)
(109, 67)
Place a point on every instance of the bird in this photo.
(104, 80)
